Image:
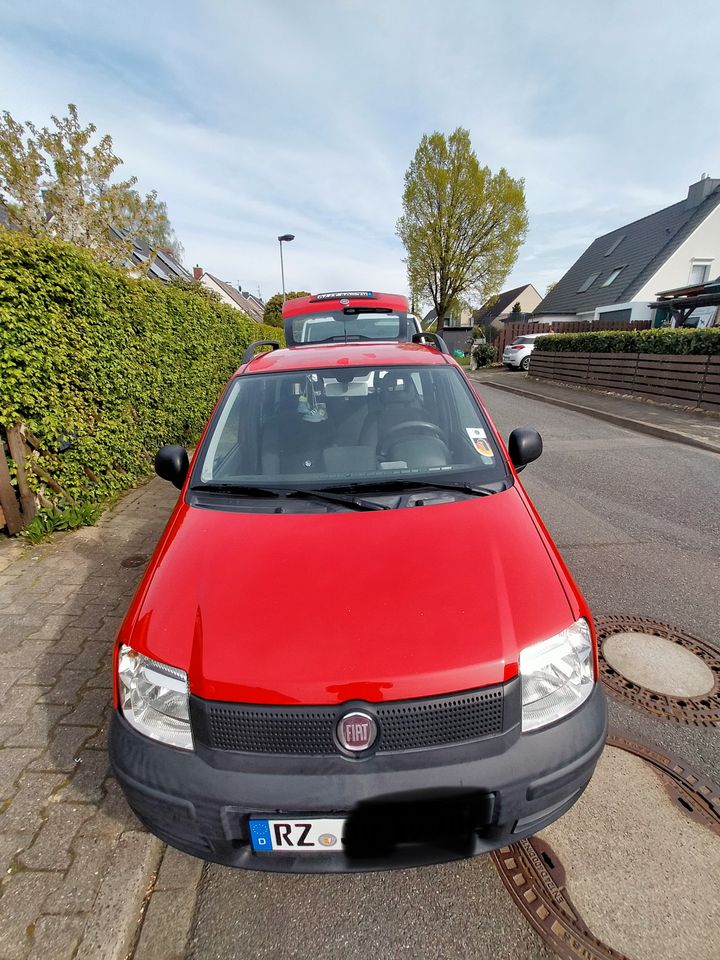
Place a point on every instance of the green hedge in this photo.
(665, 340)
(105, 368)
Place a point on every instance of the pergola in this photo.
(682, 301)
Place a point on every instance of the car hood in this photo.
(324, 608)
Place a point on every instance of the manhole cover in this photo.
(136, 560)
(664, 670)
(619, 887)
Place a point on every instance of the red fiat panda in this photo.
(291, 694)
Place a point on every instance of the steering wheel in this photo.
(423, 426)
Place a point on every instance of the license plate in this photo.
(310, 835)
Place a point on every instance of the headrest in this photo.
(397, 386)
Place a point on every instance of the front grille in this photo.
(402, 724)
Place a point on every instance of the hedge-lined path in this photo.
(76, 865)
(666, 421)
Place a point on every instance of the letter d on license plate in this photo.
(296, 835)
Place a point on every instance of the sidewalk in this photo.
(77, 868)
(670, 423)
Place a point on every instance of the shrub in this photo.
(48, 520)
(103, 368)
(273, 308)
(665, 340)
(484, 354)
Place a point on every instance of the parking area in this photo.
(633, 868)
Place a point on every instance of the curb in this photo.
(639, 426)
(113, 925)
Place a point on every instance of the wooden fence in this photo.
(670, 378)
(513, 330)
(18, 502)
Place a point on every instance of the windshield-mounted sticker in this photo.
(478, 438)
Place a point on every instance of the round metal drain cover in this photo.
(136, 560)
(594, 883)
(638, 665)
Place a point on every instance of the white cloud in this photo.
(265, 116)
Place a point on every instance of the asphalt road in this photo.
(638, 523)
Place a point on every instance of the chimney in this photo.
(197, 272)
(697, 192)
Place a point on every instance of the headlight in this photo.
(557, 675)
(154, 698)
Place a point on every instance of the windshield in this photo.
(339, 326)
(524, 340)
(324, 427)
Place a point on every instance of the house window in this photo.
(614, 274)
(615, 244)
(699, 273)
(589, 282)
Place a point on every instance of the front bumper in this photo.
(495, 791)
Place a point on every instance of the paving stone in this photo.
(53, 627)
(19, 701)
(40, 721)
(26, 655)
(113, 815)
(66, 689)
(85, 784)
(7, 679)
(51, 849)
(65, 745)
(63, 823)
(96, 653)
(24, 812)
(79, 889)
(47, 669)
(11, 844)
(90, 709)
(22, 893)
(8, 731)
(12, 761)
(56, 937)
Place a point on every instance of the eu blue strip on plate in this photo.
(260, 835)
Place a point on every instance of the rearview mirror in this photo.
(524, 446)
(171, 463)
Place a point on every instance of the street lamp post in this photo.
(285, 238)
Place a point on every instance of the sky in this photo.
(254, 118)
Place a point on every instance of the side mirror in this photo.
(524, 446)
(171, 463)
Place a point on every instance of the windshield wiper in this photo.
(246, 490)
(400, 485)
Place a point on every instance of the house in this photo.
(233, 296)
(459, 317)
(158, 264)
(498, 310)
(619, 274)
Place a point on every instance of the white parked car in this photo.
(516, 355)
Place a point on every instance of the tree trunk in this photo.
(440, 322)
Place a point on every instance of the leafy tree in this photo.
(57, 181)
(462, 225)
(549, 287)
(273, 308)
(516, 307)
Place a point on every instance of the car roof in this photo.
(322, 302)
(377, 354)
